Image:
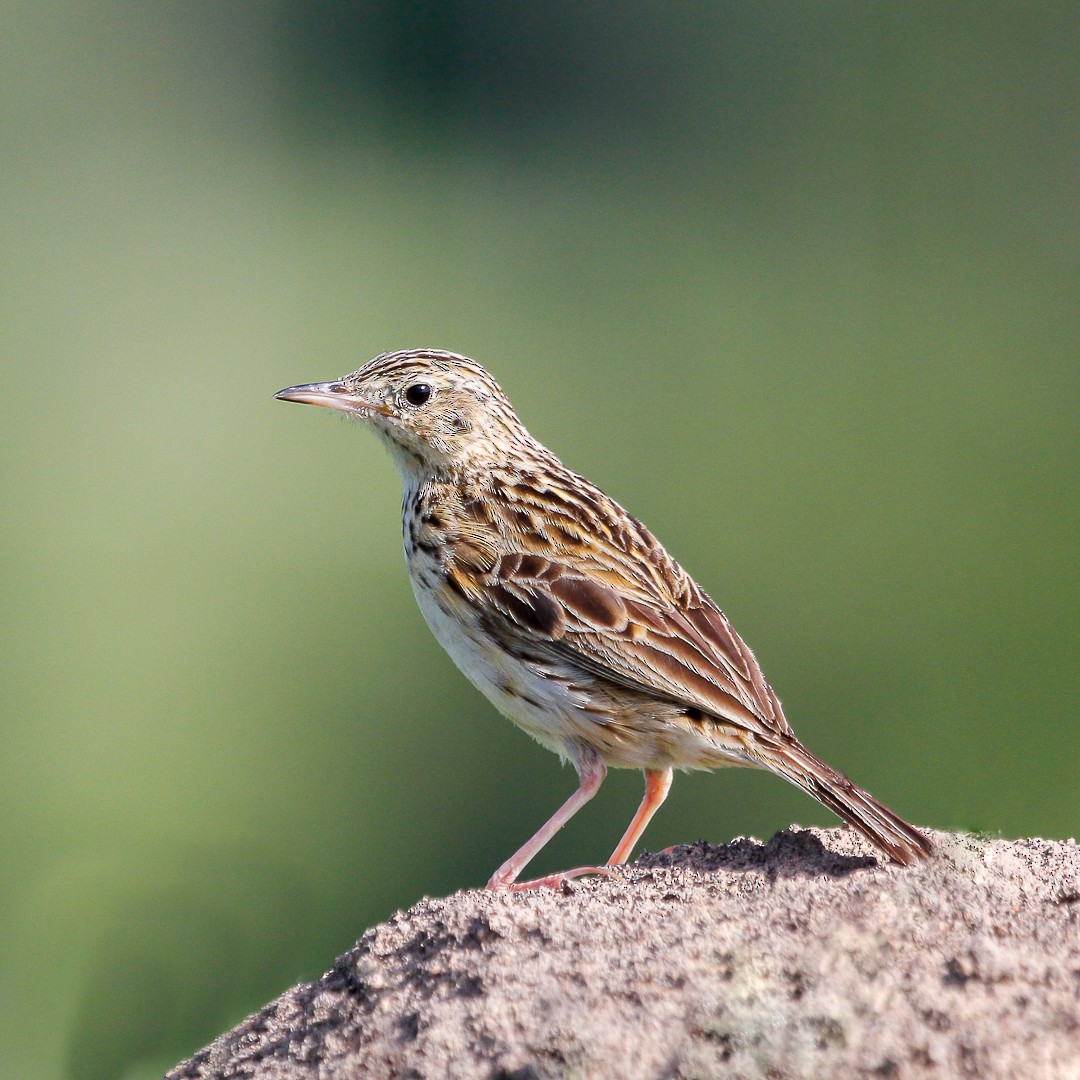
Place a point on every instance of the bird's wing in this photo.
(639, 621)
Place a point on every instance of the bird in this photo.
(567, 614)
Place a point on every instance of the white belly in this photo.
(533, 695)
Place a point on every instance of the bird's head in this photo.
(438, 412)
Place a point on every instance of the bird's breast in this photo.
(538, 694)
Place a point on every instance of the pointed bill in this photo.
(330, 395)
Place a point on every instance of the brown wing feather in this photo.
(657, 650)
(614, 602)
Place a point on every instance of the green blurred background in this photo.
(798, 283)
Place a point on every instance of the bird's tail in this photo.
(903, 843)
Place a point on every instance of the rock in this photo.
(803, 957)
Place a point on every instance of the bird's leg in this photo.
(591, 775)
(657, 786)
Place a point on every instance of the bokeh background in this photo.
(799, 283)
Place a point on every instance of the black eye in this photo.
(418, 393)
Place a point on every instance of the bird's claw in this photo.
(552, 881)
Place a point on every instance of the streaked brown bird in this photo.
(567, 613)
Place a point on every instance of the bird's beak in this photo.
(331, 395)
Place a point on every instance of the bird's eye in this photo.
(418, 393)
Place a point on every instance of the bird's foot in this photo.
(552, 881)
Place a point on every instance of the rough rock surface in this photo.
(802, 957)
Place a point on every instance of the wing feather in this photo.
(589, 584)
(691, 656)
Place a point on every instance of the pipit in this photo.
(567, 613)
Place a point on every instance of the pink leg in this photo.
(657, 786)
(591, 776)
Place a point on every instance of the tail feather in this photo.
(893, 836)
